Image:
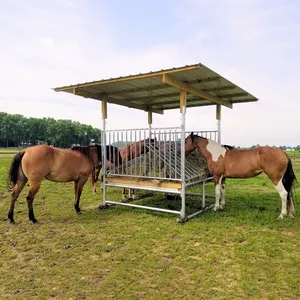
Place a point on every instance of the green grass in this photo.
(9, 150)
(243, 252)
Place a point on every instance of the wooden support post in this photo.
(149, 117)
(182, 99)
(218, 112)
(104, 109)
(218, 117)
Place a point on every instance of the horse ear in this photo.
(192, 136)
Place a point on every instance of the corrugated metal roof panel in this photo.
(147, 91)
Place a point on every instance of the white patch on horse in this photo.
(216, 150)
(283, 194)
(218, 194)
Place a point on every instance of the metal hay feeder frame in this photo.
(153, 92)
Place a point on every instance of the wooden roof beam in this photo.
(190, 89)
(195, 103)
(85, 94)
(157, 98)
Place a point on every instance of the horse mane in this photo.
(111, 151)
(227, 147)
(198, 136)
(149, 141)
(82, 149)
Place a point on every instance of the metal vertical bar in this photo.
(135, 154)
(182, 142)
(126, 166)
(140, 145)
(219, 131)
(109, 153)
(154, 153)
(203, 195)
(159, 153)
(149, 153)
(145, 156)
(175, 141)
(131, 150)
(165, 153)
(114, 152)
(116, 159)
(104, 160)
(170, 153)
(121, 144)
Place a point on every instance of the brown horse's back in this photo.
(54, 164)
(132, 151)
(252, 162)
(127, 152)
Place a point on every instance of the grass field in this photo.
(243, 252)
(8, 150)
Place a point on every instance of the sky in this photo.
(255, 44)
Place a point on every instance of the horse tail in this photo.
(13, 173)
(288, 179)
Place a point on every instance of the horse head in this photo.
(190, 144)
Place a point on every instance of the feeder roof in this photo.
(159, 90)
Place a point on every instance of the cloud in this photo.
(253, 44)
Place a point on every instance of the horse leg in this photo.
(34, 188)
(133, 195)
(291, 208)
(78, 186)
(222, 194)
(101, 181)
(217, 193)
(283, 195)
(14, 196)
(94, 179)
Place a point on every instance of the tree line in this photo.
(19, 131)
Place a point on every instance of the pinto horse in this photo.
(227, 162)
(132, 151)
(44, 162)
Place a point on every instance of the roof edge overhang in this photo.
(165, 79)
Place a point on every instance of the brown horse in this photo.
(227, 162)
(113, 158)
(44, 162)
(132, 151)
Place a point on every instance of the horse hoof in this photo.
(34, 221)
(291, 216)
(12, 222)
(281, 217)
(215, 208)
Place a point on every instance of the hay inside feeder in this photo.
(164, 163)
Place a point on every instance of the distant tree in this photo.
(297, 148)
(17, 130)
